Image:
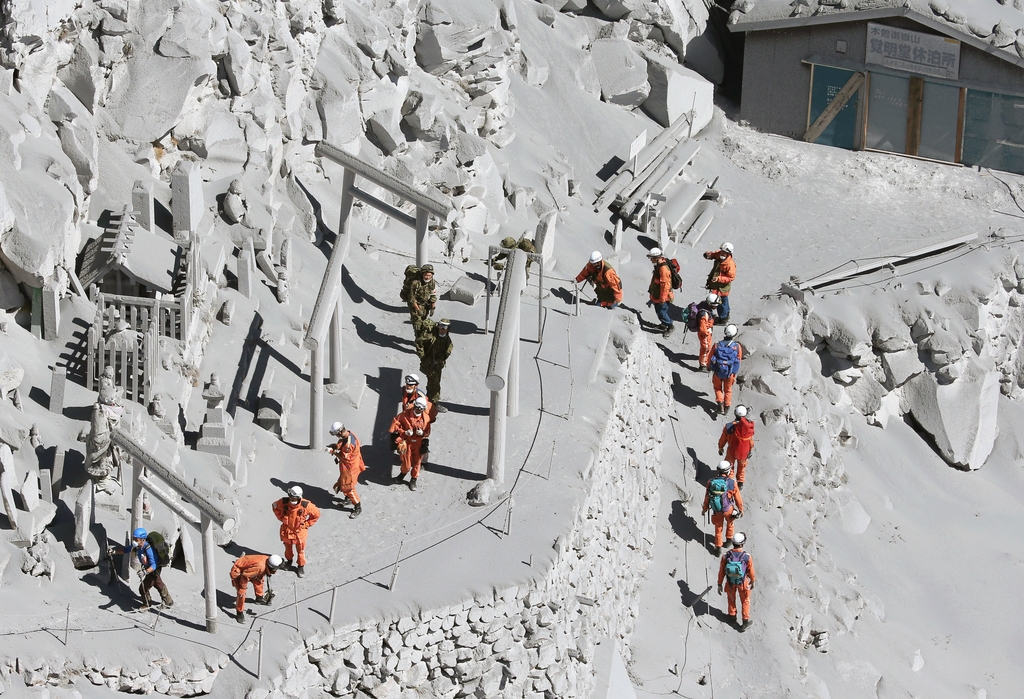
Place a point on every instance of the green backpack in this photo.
(411, 273)
(160, 548)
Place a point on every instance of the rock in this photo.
(483, 492)
(674, 91)
(961, 416)
(31, 524)
(616, 9)
(187, 205)
(14, 428)
(466, 291)
(621, 72)
(544, 241)
(899, 366)
(866, 394)
(11, 375)
(77, 135)
(7, 484)
(387, 690)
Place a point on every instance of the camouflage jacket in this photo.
(422, 293)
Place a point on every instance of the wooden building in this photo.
(881, 75)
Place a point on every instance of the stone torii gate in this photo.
(210, 512)
(327, 309)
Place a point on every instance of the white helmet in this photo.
(337, 428)
(295, 492)
(731, 330)
(420, 404)
(724, 466)
(595, 257)
(738, 539)
(274, 561)
(726, 247)
(741, 411)
(654, 252)
(712, 298)
(412, 379)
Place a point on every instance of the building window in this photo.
(825, 85)
(913, 116)
(994, 131)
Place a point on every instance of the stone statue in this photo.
(102, 457)
(234, 202)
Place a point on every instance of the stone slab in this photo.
(58, 382)
(466, 290)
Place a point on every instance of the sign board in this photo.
(914, 52)
(637, 145)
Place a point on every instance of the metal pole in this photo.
(334, 601)
(540, 305)
(295, 596)
(394, 572)
(335, 342)
(496, 437)
(316, 397)
(487, 294)
(512, 392)
(422, 240)
(259, 658)
(210, 583)
(67, 623)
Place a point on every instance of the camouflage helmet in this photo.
(508, 242)
(427, 268)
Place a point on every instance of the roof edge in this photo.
(841, 17)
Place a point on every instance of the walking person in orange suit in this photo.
(607, 285)
(726, 356)
(721, 277)
(252, 568)
(737, 572)
(736, 442)
(723, 499)
(349, 456)
(413, 428)
(296, 516)
(705, 329)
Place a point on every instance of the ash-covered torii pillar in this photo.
(328, 302)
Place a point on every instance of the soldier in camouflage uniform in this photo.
(422, 299)
(510, 243)
(434, 347)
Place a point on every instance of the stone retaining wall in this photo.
(529, 641)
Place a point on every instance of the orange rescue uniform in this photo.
(409, 443)
(348, 453)
(705, 327)
(252, 568)
(295, 523)
(661, 283)
(607, 284)
(743, 588)
(739, 436)
(723, 387)
(723, 272)
(725, 519)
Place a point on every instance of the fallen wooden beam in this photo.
(834, 107)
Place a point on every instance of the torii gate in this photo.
(328, 302)
(210, 512)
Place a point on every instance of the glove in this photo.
(737, 514)
(721, 451)
(408, 433)
(751, 584)
(337, 488)
(719, 589)
(419, 432)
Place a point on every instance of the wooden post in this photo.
(210, 582)
(915, 103)
(394, 571)
(422, 239)
(335, 344)
(259, 658)
(334, 601)
(316, 397)
(136, 495)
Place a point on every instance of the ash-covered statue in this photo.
(102, 456)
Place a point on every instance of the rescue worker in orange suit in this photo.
(725, 502)
(411, 391)
(296, 516)
(252, 568)
(722, 275)
(705, 328)
(661, 290)
(607, 285)
(738, 436)
(737, 572)
(413, 428)
(349, 456)
(726, 356)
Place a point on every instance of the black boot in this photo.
(723, 408)
(356, 511)
(300, 571)
(240, 617)
(400, 478)
(668, 330)
(412, 484)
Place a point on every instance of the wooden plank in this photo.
(866, 113)
(960, 118)
(681, 200)
(876, 264)
(834, 107)
(700, 226)
(915, 104)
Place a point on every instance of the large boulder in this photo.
(675, 90)
(961, 415)
(621, 71)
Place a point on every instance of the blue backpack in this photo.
(736, 567)
(725, 359)
(719, 492)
